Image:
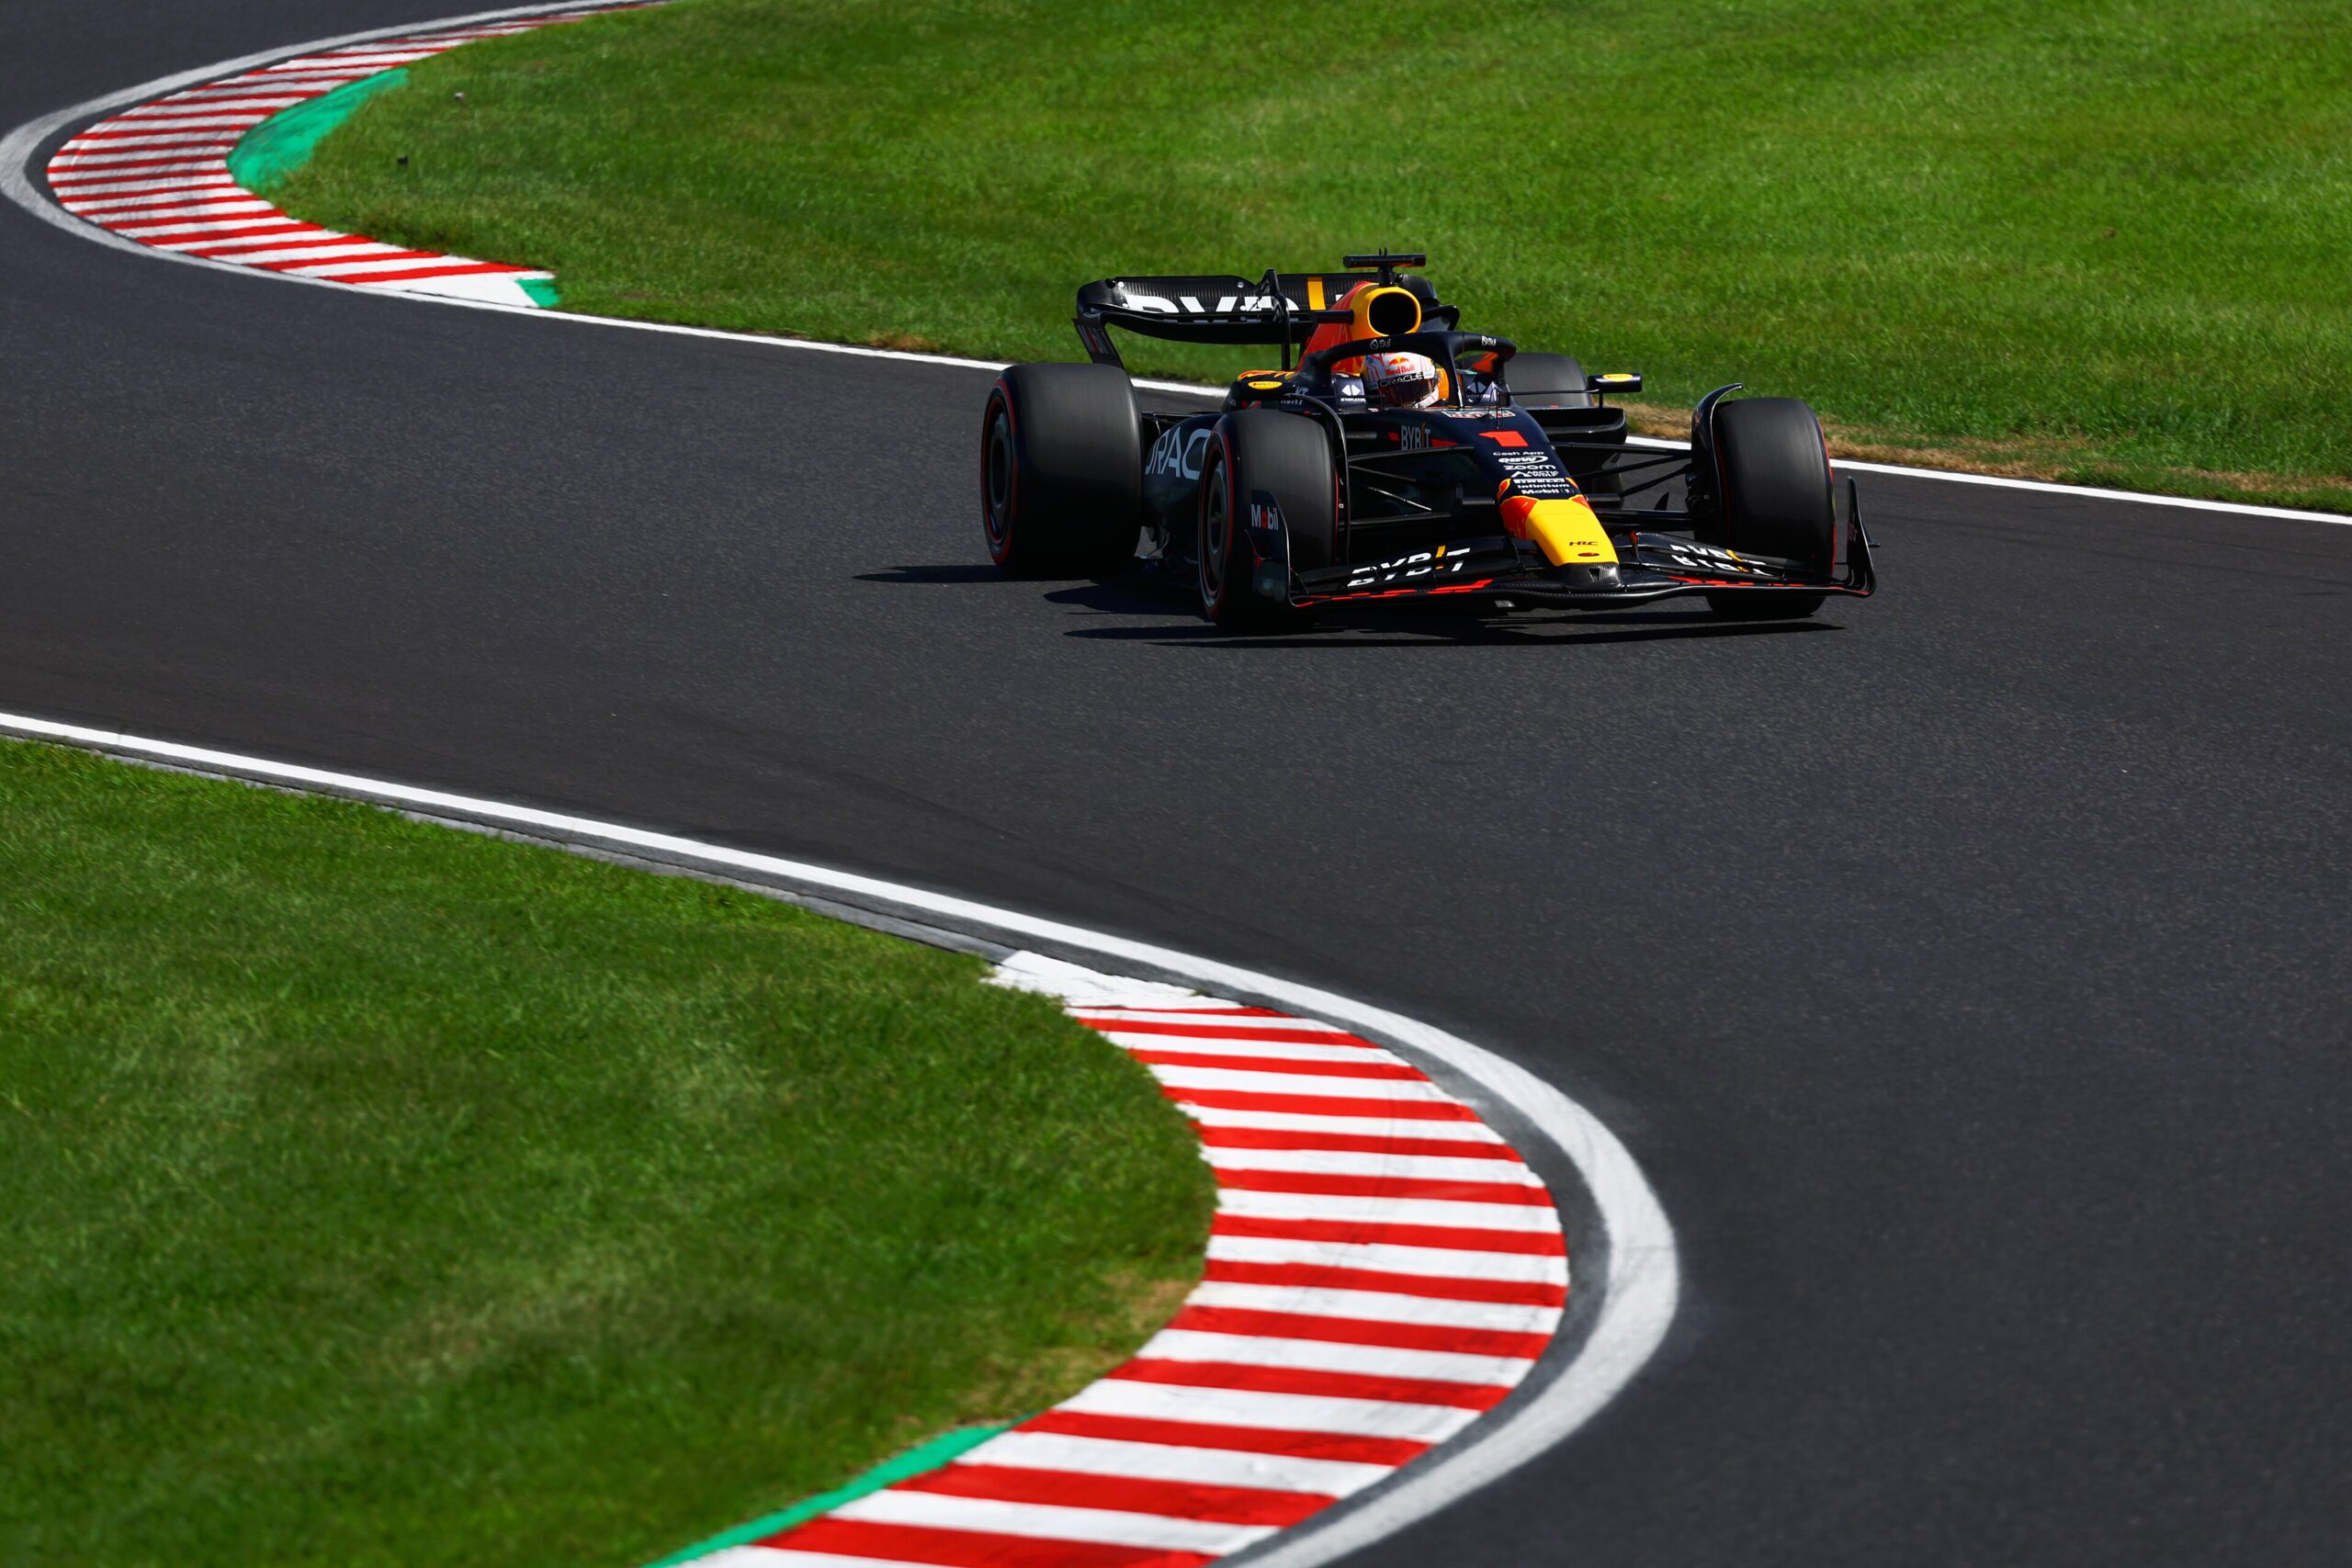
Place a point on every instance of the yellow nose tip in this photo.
(1566, 531)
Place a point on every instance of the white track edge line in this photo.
(1640, 1288)
(18, 148)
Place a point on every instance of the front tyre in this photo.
(1281, 457)
(1774, 498)
(1061, 470)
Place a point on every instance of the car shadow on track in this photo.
(1397, 626)
(956, 571)
(1174, 626)
(1337, 636)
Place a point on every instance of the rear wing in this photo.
(1278, 308)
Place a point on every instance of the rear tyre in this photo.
(1773, 499)
(1549, 382)
(1557, 381)
(1061, 470)
(1261, 452)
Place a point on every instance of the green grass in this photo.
(2101, 240)
(372, 1193)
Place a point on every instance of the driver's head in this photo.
(1400, 381)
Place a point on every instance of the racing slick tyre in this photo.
(1061, 470)
(1262, 454)
(1773, 470)
(1549, 382)
(1557, 381)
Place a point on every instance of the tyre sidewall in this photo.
(1220, 599)
(997, 522)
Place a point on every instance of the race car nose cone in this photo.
(1588, 579)
(1566, 530)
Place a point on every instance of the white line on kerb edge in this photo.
(18, 148)
(1639, 1289)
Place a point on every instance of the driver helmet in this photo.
(1400, 381)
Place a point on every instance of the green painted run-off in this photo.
(264, 155)
(284, 142)
(914, 1462)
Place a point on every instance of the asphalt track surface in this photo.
(1969, 970)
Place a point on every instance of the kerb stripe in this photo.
(1382, 1268)
(1221, 1505)
(190, 133)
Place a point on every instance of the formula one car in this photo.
(1397, 458)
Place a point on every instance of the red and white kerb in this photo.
(159, 174)
(1382, 1270)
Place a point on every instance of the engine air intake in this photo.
(1386, 312)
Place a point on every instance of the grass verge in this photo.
(2100, 241)
(376, 1193)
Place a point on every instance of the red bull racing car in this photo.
(1392, 457)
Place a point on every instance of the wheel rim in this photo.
(995, 459)
(1216, 536)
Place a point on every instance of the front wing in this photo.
(1651, 565)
